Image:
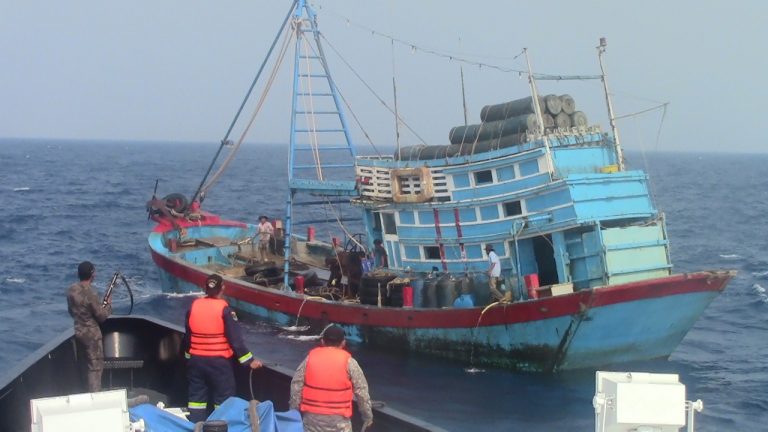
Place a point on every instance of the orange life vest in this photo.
(327, 387)
(206, 325)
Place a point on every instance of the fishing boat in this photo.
(144, 362)
(584, 255)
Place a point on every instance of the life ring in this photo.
(426, 190)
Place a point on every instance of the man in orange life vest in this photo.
(324, 383)
(212, 338)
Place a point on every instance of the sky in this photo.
(178, 70)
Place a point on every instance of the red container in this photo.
(311, 233)
(173, 244)
(299, 282)
(407, 296)
(532, 282)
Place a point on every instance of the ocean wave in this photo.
(182, 295)
(760, 292)
(760, 274)
(730, 256)
(15, 280)
(299, 338)
(21, 189)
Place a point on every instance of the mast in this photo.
(611, 116)
(539, 115)
(320, 144)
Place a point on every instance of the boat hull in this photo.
(54, 370)
(585, 329)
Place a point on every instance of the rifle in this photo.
(108, 294)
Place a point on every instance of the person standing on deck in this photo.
(264, 232)
(494, 271)
(380, 259)
(212, 338)
(324, 383)
(87, 312)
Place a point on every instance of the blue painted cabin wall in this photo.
(574, 160)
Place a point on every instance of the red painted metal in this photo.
(459, 235)
(532, 283)
(310, 233)
(439, 239)
(299, 284)
(407, 296)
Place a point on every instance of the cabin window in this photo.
(426, 218)
(388, 220)
(483, 177)
(407, 218)
(498, 248)
(513, 208)
(530, 167)
(412, 252)
(474, 251)
(505, 173)
(467, 215)
(432, 252)
(489, 212)
(461, 181)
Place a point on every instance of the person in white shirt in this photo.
(494, 271)
(265, 232)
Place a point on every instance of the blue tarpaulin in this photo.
(234, 411)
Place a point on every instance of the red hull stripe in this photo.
(519, 312)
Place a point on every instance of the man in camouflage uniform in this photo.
(324, 383)
(87, 311)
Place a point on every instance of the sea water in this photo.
(63, 202)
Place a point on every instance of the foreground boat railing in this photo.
(638, 401)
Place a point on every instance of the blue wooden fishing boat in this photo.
(584, 252)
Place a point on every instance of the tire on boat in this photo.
(176, 202)
(446, 291)
(429, 293)
(370, 284)
(395, 294)
(259, 267)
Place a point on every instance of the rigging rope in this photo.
(379, 98)
(462, 57)
(257, 109)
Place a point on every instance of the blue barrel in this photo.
(418, 295)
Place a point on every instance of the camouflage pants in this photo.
(90, 346)
(325, 423)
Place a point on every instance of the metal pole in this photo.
(534, 94)
(611, 116)
(394, 90)
(539, 115)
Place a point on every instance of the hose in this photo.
(130, 292)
